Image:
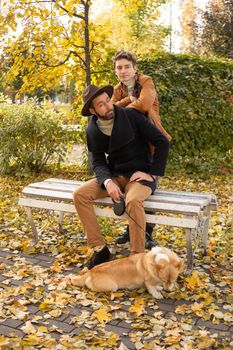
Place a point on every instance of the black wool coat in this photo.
(127, 149)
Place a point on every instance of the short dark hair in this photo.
(126, 55)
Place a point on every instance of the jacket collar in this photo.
(122, 133)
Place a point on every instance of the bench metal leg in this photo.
(206, 229)
(188, 234)
(31, 221)
(60, 221)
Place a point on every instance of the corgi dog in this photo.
(157, 269)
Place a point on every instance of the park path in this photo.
(63, 326)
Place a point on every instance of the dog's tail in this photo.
(80, 280)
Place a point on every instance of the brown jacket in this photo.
(147, 100)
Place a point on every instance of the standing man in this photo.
(136, 91)
(119, 142)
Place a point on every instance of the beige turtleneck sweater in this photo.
(105, 126)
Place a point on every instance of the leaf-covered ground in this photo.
(47, 313)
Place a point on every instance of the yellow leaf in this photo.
(25, 287)
(197, 306)
(228, 317)
(116, 295)
(206, 342)
(3, 340)
(32, 339)
(230, 298)
(46, 305)
(173, 332)
(112, 339)
(2, 266)
(56, 267)
(55, 313)
(43, 329)
(138, 306)
(208, 299)
(85, 249)
(173, 339)
(194, 281)
(102, 315)
(182, 309)
(21, 315)
(28, 328)
(28, 249)
(50, 344)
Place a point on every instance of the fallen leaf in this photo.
(28, 328)
(102, 315)
(56, 267)
(173, 339)
(194, 281)
(55, 313)
(3, 340)
(138, 306)
(46, 305)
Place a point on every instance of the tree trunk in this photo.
(87, 44)
(88, 64)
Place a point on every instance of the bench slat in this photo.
(211, 197)
(108, 212)
(167, 207)
(69, 188)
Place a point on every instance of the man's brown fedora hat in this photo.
(90, 93)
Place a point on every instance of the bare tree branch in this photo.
(73, 13)
(58, 64)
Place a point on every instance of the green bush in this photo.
(30, 137)
(196, 108)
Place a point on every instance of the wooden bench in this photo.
(188, 210)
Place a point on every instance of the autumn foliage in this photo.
(196, 109)
(30, 136)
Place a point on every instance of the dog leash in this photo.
(119, 209)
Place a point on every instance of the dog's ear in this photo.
(161, 260)
(180, 265)
(160, 263)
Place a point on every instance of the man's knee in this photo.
(133, 203)
(79, 195)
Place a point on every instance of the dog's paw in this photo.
(157, 295)
(83, 271)
(154, 292)
(159, 288)
(67, 279)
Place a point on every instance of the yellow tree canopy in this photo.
(47, 40)
(134, 26)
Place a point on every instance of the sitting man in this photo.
(119, 140)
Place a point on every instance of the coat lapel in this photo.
(96, 140)
(122, 132)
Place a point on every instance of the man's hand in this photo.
(140, 175)
(114, 191)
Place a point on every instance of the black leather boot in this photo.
(99, 257)
(122, 239)
(149, 243)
